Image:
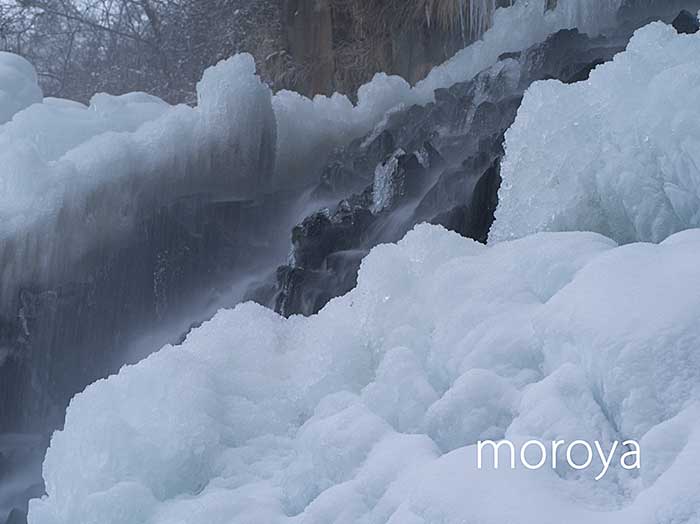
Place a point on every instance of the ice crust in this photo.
(369, 411)
(618, 154)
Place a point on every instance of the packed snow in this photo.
(618, 154)
(369, 411)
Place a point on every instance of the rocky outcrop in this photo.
(338, 45)
(686, 23)
(439, 163)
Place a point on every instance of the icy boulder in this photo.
(369, 411)
(18, 85)
(618, 154)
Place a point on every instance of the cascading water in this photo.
(480, 16)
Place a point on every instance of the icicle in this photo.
(476, 19)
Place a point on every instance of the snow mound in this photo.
(618, 154)
(369, 411)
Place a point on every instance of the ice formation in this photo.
(329, 121)
(515, 28)
(63, 151)
(18, 85)
(618, 154)
(385, 190)
(369, 411)
(73, 176)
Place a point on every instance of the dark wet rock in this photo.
(324, 232)
(474, 220)
(584, 72)
(302, 290)
(686, 23)
(636, 13)
(566, 56)
(315, 273)
(342, 177)
(512, 54)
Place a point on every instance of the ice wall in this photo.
(618, 154)
(369, 411)
(75, 178)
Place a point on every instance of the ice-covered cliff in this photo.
(125, 222)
